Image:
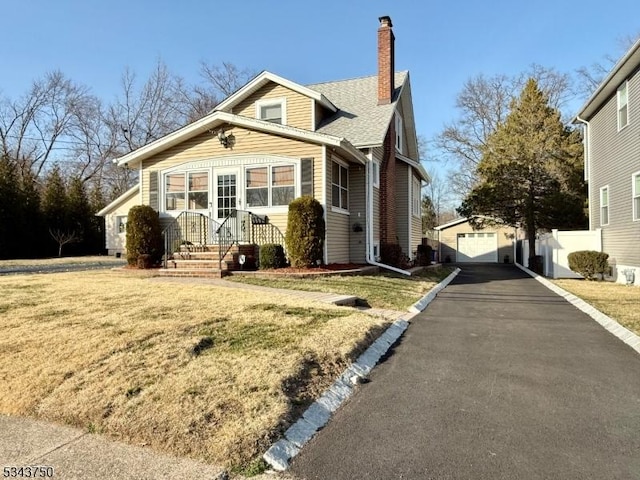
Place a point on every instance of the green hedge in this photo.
(144, 237)
(305, 232)
(588, 263)
(272, 256)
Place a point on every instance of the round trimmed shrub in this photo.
(305, 232)
(272, 256)
(588, 263)
(144, 237)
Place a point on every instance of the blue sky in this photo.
(441, 43)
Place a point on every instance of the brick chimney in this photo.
(386, 62)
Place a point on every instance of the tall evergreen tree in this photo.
(79, 214)
(55, 209)
(530, 171)
(10, 211)
(32, 225)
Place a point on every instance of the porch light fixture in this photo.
(223, 139)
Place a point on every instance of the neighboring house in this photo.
(460, 243)
(115, 220)
(611, 119)
(351, 144)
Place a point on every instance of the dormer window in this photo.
(274, 111)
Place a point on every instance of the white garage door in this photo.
(477, 247)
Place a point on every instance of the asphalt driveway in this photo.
(499, 378)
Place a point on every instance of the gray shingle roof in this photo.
(359, 118)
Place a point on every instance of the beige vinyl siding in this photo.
(403, 206)
(615, 156)
(416, 228)
(337, 236)
(298, 106)
(449, 240)
(115, 240)
(207, 147)
(357, 207)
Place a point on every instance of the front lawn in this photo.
(382, 290)
(197, 370)
(46, 262)
(613, 299)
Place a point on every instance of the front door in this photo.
(227, 193)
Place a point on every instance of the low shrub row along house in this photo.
(351, 144)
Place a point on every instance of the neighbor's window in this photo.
(273, 111)
(339, 186)
(174, 191)
(121, 223)
(623, 105)
(415, 203)
(270, 186)
(636, 195)
(604, 205)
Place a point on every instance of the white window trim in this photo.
(399, 130)
(124, 223)
(416, 203)
(271, 208)
(186, 173)
(606, 187)
(333, 207)
(624, 86)
(270, 102)
(376, 173)
(635, 215)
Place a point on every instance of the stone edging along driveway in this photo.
(319, 413)
(627, 336)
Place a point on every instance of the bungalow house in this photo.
(611, 119)
(351, 144)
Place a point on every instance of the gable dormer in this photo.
(275, 99)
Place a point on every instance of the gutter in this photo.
(369, 237)
(587, 158)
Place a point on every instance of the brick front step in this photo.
(191, 264)
(194, 273)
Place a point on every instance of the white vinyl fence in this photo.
(556, 246)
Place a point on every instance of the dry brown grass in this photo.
(56, 261)
(618, 301)
(196, 370)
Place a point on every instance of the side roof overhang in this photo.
(416, 165)
(458, 221)
(219, 119)
(119, 201)
(628, 64)
(263, 79)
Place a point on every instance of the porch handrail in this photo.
(188, 228)
(242, 226)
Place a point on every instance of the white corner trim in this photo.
(627, 336)
(324, 200)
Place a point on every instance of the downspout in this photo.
(587, 162)
(369, 240)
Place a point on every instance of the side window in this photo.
(604, 205)
(623, 105)
(635, 188)
(399, 132)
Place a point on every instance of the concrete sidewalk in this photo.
(76, 455)
(499, 378)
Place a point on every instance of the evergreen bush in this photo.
(272, 256)
(391, 254)
(305, 232)
(144, 236)
(588, 263)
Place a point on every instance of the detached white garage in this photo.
(460, 243)
(477, 247)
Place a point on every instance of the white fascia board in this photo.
(214, 119)
(264, 78)
(414, 164)
(620, 72)
(122, 198)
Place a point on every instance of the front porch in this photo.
(196, 245)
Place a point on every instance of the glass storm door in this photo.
(227, 194)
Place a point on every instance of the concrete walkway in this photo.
(499, 378)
